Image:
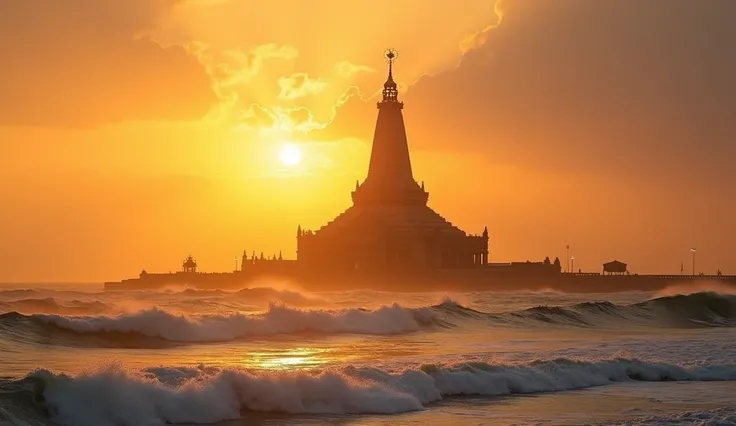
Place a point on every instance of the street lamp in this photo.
(236, 263)
(693, 252)
(568, 258)
(573, 264)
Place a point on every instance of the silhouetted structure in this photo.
(390, 239)
(189, 265)
(389, 227)
(615, 268)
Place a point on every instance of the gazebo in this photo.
(189, 265)
(615, 268)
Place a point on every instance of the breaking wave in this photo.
(50, 305)
(65, 302)
(683, 311)
(140, 327)
(156, 396)
(278, 320)
(251, 294)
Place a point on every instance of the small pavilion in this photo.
(189, 265)
(615, 268)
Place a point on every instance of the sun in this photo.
(290, 155)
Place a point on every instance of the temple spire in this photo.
(390, 180)
(390, 89)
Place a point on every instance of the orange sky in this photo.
(136, 132)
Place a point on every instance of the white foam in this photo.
(116, 397)
(277, 320)
(718, 417)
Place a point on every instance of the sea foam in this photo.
(114, 396)
(155, 322)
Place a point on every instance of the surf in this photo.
(115, 396)
(139, 327)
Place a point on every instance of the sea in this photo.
(272, 354)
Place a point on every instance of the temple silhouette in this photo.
(390, 227)
(389, 238)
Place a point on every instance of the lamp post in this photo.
(692, 250)
(568, 258)
(572, 259)
(236, 263)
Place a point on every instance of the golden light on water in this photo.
(297, 358)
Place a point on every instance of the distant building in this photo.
(189, 265)
(389, 231)
(389, 227)
(615, 268)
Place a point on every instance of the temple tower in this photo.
(390, 180)
(390, 229)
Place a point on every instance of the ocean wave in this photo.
(706, 309)
(50, 305)
(680, 311)
(251, 294)
(156, 396)
(693, 310)
(278, 320)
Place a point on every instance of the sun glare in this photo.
(290, 155)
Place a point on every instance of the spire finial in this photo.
(390, 92)
(391, 55)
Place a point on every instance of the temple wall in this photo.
(400, 250)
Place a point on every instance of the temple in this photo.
(390, 227)
(390, 233)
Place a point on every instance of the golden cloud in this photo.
(478, 39)
(300, 85)
(348, 69)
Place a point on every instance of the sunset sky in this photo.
(136, 132)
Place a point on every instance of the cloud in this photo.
(88, 62)
(231, 69)
(278, 120)
(348, 69)
(346, 52)
(639, 89)
(300, 85)
(258, 117)
(244, 83)
(478, 39)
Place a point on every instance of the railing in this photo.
(656, 277)
(693, 277)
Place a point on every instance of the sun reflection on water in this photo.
(297, 358)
